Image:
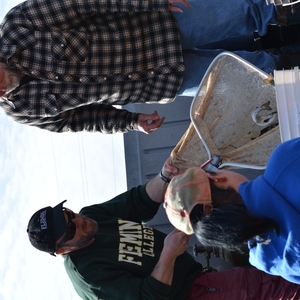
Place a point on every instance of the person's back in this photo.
(276, 195)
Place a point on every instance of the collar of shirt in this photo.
(6, 51)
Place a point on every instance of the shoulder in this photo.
(285, 157)
(82, 286)
(287, 148)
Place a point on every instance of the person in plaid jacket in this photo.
(66, 64)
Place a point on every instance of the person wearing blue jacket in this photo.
(264, 213)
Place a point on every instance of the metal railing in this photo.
(282, 2)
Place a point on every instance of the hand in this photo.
(149, 123)
(168, 170)
(175, 243)
(173, 7)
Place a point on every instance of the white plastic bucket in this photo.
(287, 87)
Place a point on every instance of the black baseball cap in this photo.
(46, 226)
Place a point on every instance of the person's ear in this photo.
(63, 251)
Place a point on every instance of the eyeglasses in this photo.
(71, 226)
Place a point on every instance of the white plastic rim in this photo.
(287, 86)
(281, 2)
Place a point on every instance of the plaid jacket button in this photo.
(129, 76)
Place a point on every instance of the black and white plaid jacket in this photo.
(86, 56)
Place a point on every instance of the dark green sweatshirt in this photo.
(118, 264)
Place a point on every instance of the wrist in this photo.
(164, 178)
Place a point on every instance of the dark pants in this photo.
(242, 283)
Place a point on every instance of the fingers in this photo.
(149, 117)
(155, 116)
(172, 7)
(186, 3)
(175, 8)
(176, 242)
(168, 169)
(180, 236)
(149, 123)
(154, 125)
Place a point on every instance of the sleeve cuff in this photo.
(157, 288)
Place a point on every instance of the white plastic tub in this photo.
(287, 87)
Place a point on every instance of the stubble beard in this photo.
(84, 239)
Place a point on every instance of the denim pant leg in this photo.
(215, 20)
(198, 61)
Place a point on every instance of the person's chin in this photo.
(89, 226)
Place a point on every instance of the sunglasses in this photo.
(71, 226)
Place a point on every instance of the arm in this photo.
(156, 187)
(175, 244)
(92, 118)
(108, 119)
(72, 13)
(102, 118)
(139, 204)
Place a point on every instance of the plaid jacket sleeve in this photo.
(71, 13)
(92, 118)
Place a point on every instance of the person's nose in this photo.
(78, 222)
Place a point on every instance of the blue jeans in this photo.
(197, 62)
(210, 21)
(214, 22)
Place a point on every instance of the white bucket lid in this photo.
(287, 87)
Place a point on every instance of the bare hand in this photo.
(149, 123)
(168, 170)
(175, 243)
(173, 7)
